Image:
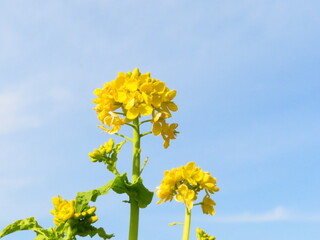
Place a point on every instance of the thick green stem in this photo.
(134, 208)
(187, 223)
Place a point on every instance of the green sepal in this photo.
(83, 198)
(136, 191)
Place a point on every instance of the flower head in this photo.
(185, 195)
(207, 205)
(134, 95)
(63, 210)
(66, 211)
(184, 183)
(202, 235)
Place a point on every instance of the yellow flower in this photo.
(207, 205)
(134, 95)
(164, 192)
(136, 107)
(63, 210)
(184, 183)
(168, 185)
(208, 182)
(192, 173)
(168, 132)
(109, 145)
(113, 121)
(202, 235)
(186, 195)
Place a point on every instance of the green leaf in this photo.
(103, 234)
(136, 191)
(31, 224)
(83, 198)
(92, 231)
(20, 225)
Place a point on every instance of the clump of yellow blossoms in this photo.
(63, 210)
(184, 184)
(132, 95)
(202, 235)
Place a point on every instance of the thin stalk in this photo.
(145, 121)
(123, 136)
(187, 223)
(134, 208)
(145, 134)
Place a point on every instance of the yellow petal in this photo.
(119, 82)
(135, 73)
(156, 128)
(166, 143)
(97, 91)
(145, 109)
(132, 85)
(132, 113)
(160, 86)
(120, 96)
(130, 104)
(170, 95)
(172, 106)
(156, 101)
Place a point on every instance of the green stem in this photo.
(145, 121)
(134, 208)
(144, 134)
(187, 223)
(123, 136)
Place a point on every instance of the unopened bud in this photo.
(109, 145)
(91, 210)
(93, 219)
(83, 214)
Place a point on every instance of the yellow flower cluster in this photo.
(63, 210)
(134, 95)
(184, 184)
(202, 235)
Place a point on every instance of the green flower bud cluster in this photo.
(80, 223)
(201, 235)
(87, 215)
(107, 154)
(104, 153)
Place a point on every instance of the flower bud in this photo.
(90, 211)
(83, 214)
(93, 219)
(109, 145)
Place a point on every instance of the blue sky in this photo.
(248, 79)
